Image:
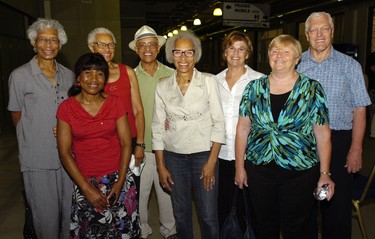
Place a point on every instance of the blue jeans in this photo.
(186, 170)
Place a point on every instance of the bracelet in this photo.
(326, 173)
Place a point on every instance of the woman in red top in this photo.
(94, 144)
(122, 82)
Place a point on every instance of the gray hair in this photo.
(42, 24)
(169, 46)
(99, 30)
(318, 14)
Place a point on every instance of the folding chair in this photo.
(363, 192)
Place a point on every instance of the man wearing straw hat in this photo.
(149, 72)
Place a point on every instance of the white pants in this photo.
(149, 177)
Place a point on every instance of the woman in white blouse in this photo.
(237, 49)
(187, 150)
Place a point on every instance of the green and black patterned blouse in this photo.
(290, 140)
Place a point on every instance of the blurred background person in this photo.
(35, 91)
(94, 143)
(186, 152)
(342, 79)
(237, 49)
(283, 131)
(149, 72)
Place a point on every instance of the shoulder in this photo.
(252, 74)
(22, 70)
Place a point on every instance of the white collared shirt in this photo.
(195, 119)
(230, 100)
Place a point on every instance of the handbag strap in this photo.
(246, 202)
(234, 202)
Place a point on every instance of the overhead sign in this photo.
(246, 14)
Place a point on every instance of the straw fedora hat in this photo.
(144, 32)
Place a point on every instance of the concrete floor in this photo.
(12, 208)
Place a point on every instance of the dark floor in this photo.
(12, 209)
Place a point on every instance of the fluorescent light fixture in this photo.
(197, 22)
(183, 28)
(218, 12)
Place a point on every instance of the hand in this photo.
(139, 154)
(95, 198)
(208, 175)
(241, 177)
(165, 179)
(354, 161)
(326, 179)
(113, 194)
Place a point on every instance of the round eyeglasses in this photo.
(144, 45)
(103, 45)
(187, 53)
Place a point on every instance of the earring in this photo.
(78, 85)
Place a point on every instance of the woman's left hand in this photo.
(208, 175)
(139, 155)
(115, 192)
(326, 179)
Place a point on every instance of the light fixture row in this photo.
(196, 22)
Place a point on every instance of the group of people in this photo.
(279, 136)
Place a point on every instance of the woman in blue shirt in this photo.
(284, 136)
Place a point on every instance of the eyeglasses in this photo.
(240, 50)
(52, 41)
(143, 45)
(323, 30)
(187, 53)
(103, 45)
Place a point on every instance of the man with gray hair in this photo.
(343, 82)
(149, 72)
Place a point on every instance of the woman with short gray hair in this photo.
(187, 149)
(36, 89)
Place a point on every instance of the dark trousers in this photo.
(227, 172)
(282, 201)
(337, 213)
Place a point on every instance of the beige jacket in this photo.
(195, 119)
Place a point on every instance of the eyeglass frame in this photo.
(144, 45)
(52, 41)
(183, 53)
(103, 45)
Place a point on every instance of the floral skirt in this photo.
(119, 221)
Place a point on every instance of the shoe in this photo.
(174, 236)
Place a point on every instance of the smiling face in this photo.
(320, 34)
(47, 44)
(106, 51)
(237, 53)
(183, 63)
(91, 81)
(282, 58)
(147, 49)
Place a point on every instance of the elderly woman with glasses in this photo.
(36, 89)
(122, 82)
(187, 146)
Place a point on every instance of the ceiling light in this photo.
(183, 28)
(175, 32)
(170, 34)
(197, 22)
(218, 12)
(165, 36)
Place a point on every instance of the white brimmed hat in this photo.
(144, 32)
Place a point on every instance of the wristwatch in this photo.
(141, 145)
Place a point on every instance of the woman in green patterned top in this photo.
(284, 137)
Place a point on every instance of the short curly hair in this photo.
(42, 24)
(169, 46)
